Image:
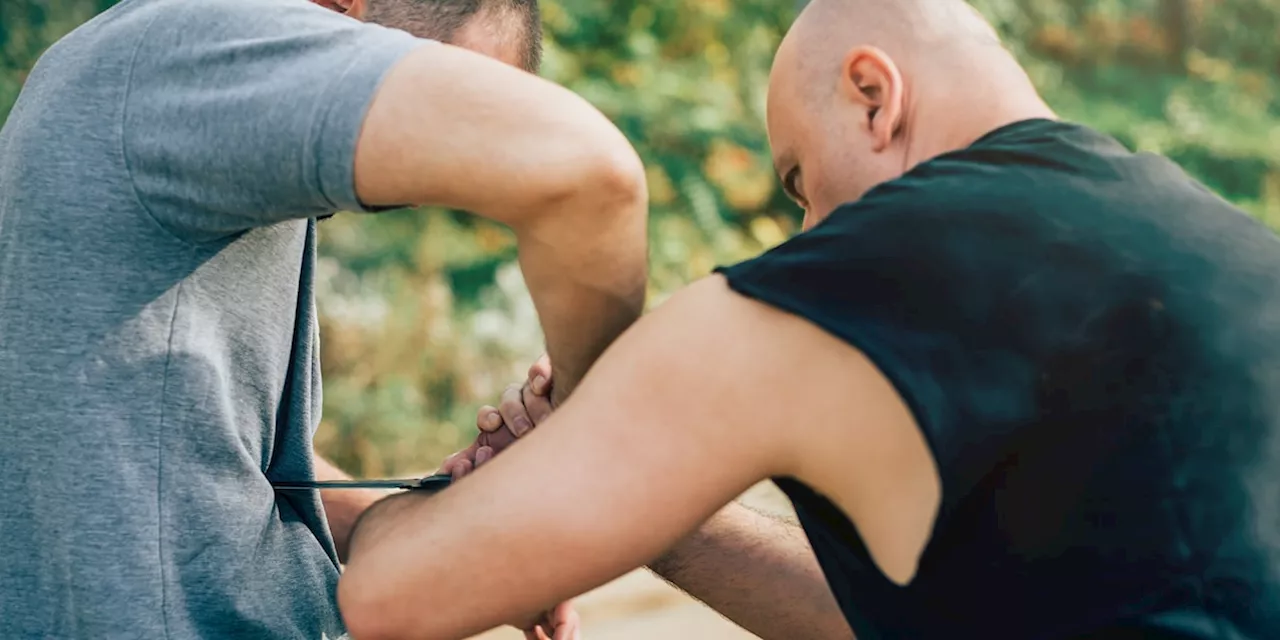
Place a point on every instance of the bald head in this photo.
(862, 90)
(920, 37)
(898, 23)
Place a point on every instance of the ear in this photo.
(356, 8)
(353, 8)
(871, 79)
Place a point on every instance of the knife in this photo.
(429, 483)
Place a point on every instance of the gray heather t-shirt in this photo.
(160, 177)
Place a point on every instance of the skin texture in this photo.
(615, 494)
(497, 36)
(578, 210)
(864, 90)
(758, 571)
(755, 569)
(493, 36)
(690, 407)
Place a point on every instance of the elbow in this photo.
(612, 180)
(622, 178)
(369, 612)
(602, 185)
(359, 606)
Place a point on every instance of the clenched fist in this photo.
(522, 407)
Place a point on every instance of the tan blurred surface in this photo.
(638, 606)
(641, 606)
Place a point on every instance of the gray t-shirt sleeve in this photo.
(245, 113)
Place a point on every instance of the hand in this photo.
(560, 623)
(521, 409)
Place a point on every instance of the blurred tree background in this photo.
(425, 316)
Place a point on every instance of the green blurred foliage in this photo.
(424, 313)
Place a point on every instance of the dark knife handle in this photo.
(437, 482)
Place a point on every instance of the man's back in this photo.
(1091, 344)
(158, 361)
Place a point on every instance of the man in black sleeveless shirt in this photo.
(1018, 381)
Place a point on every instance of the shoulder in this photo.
(249, 15)
(930, 227)
(1021, 173)
(242, 113)
(249, 34)
(957, 190)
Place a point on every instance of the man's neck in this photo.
(956, 116)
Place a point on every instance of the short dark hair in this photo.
(441, 20)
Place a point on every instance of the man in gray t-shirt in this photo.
(160, 178)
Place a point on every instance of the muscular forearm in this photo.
(343, 507)
(542, 161)
(586, 267)
(758, 572)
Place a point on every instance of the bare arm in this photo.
(453, 128)
(759, 572)
(621, 478)
(756, 569)
(343, 507)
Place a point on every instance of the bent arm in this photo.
(452, 128)
(759, 572)
(620, 478)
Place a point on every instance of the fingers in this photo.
(513, 412)
(453, 463)
(488, 419)
(560, 623)
(462, 468)
(450, 463)
(564, 613)
(568, 632)
(537, 407)
(498, 440)
(535, 629)
(535, 396)
(540, 376)
(565, 621)
(521, 408)
(483, 455)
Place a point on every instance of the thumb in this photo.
(540, 376)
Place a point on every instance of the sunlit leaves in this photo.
(425, 315)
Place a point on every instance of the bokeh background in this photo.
(425, 316)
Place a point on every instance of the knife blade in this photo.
(429, 483)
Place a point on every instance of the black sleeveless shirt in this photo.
(1090, 342)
